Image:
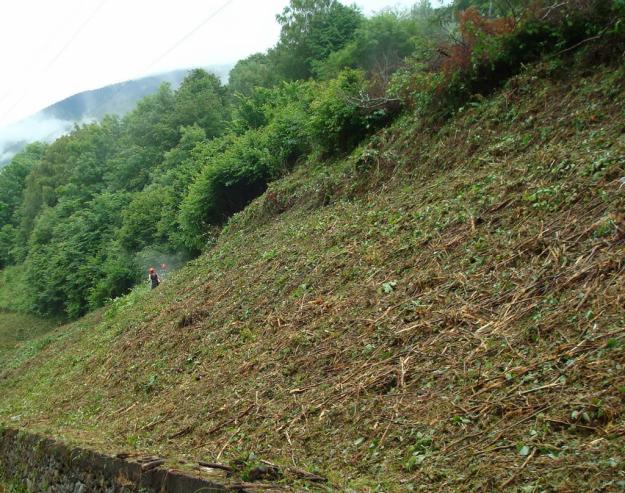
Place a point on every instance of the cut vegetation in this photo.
(442, 310)
(437, 309)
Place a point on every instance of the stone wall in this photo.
(43, 465)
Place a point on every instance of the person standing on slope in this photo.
(154, 279)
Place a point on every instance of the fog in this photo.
(86, 107)
(14, 137)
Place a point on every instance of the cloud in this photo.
(14, 137)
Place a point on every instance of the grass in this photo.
(442, 311)
(21, 336)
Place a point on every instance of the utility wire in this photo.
(5, 95)
(189, 34)
(57, 56)
(75, 35)
(184, 38)
(156, 60)
(46, 43)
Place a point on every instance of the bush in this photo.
(228, 182)
(379, 46)
(490, 51)
(288, 136)
(7, 245)
(14, 295)
(118, 274)
(336, 122)
(140, 218)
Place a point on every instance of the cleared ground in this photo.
(21, 335)
(442, 311)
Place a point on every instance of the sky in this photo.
(54, 49)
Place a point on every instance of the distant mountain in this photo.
(59, 118)
(115, 99)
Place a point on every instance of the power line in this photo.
(44, 44)
(189, 34)
(205, 21)
(5, 95)
(167, 52)
(76, 33)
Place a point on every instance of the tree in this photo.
(230, 179)
(250, 73)
(336, 121)
(379, 47)
(175, 175)
(67, 255)
(13, 181)
(42, 185)
(7, 245)
(311, 30)
(151, 128)
(493, 8)
(201, 100)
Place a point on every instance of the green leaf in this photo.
(612, 343)
(389, 287)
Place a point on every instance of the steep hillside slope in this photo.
(442, 311)
(18, 332)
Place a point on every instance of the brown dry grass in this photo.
(443, 313)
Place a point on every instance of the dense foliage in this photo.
(82, 218)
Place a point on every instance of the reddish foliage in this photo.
(474, 27)
(472, 23)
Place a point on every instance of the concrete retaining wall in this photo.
(43, 465)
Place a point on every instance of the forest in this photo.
(82, 218)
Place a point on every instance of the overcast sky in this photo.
(54, 49)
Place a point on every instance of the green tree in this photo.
(310, 31)
(336, 122)
(140, 219)
(7, 245)
(150, 219)
(382, 42)
(150, 130)
(42, 185)
(67, 255)
(12, 186)
(252, 72)
(201, 100)
(179, 168)
(491, 8)
(13, 181)
(229, 180)
(118, 273)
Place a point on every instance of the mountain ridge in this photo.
(90, 105)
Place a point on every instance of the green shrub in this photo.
(13, 289)
(227, 183)
(118, 274)
(7, 245)
(140, 218)
(490, 51)
(288, 136)
(337, 123)
(379, 46)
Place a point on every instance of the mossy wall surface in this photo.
(31, 463)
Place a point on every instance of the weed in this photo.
(412, 332)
